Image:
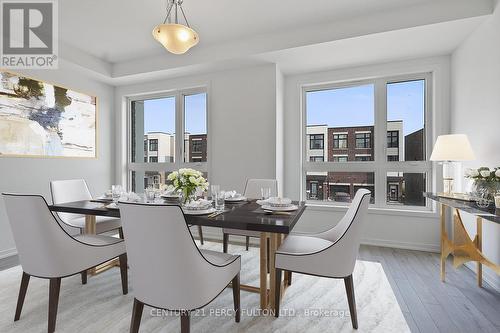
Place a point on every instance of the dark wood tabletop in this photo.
(244, 216)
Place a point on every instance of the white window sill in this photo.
(424, 213)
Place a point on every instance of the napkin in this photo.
(130, 196)
(198, 204)
(232, 195)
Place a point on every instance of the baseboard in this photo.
(491, 278)
(8, 253)
(402, 245)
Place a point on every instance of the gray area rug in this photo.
(310, 304)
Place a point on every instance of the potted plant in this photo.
(486, 181)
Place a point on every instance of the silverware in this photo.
(215, 214)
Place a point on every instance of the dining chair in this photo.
(252, 191)
(331, 253)
(168, 270)
(75, 190)
(47, 251)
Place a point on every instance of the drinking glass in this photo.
(116, 191)
(265, 192)
(214, 189)
(219, 199)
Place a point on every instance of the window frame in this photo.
(179, 95)
(367, 138)
(313, 138)
(380, 166)
(345, 137)
(392, 137)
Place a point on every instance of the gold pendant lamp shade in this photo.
(176, 38)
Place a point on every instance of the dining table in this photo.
(246, 215)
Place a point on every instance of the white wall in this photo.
(413, 230)
(476, 112)
(32, 175)
(241, 118)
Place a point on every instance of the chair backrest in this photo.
(346, 235)
(43, 246)
(67, 191)
(168, 271)
(253, 186)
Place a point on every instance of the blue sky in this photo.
(354, 106)
(159, 114)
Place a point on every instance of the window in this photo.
(316, 159)
(157, 123)
(363, 140)
(339, 158)
(392, 139)
(386, 156)
(362, 158)
(340, 141)
(153, 144)
(316, 141)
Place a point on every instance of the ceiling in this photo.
(120, 30)
(111, 39)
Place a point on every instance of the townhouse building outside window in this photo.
(377, 139)
(167, 131)
(316, 141)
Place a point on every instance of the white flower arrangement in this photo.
(484, 174)
(188, 181)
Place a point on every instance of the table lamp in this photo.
(448, 149)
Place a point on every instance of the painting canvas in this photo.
(41, 119)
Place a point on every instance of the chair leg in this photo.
(289, 278)
(185, 326)
(277, 293)
(236, 297)
(247, 242)
(136, 316)
(349, 287)
(120, 233)
(22, 293)
(225, 241)
(200, 232)
(123, 272)
(84, 276)
(54, 288)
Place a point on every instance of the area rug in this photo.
(310, 304)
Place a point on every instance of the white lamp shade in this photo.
(452, 147)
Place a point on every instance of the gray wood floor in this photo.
(428, 304)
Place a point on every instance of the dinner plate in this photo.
(261, 202)
(112, 206)
(237, 199)
(170, 196)
(199, 211)
(280, 209)
(104, 198)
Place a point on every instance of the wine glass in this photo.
(116, 191)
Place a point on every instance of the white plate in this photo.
(112, 206)
(199, 211)
(237, 199)
(280, 209)
(170, 196)
(261, 202)
(103, 197)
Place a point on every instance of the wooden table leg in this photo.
(263, 270)
(273, 246)
(443, 236)
(479, 233)
(90, 229)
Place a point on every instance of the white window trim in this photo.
(380, 166)
(178, 163)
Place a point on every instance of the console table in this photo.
(461, 246)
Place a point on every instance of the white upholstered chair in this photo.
(252, 191)
(46, 251)
(331, 253)
(168, 270)
(75, 190)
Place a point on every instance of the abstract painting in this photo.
(41, 119)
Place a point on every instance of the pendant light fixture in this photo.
(175, 37)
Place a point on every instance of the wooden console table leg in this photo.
(443, 242)
(479, 236)
(273, 246)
